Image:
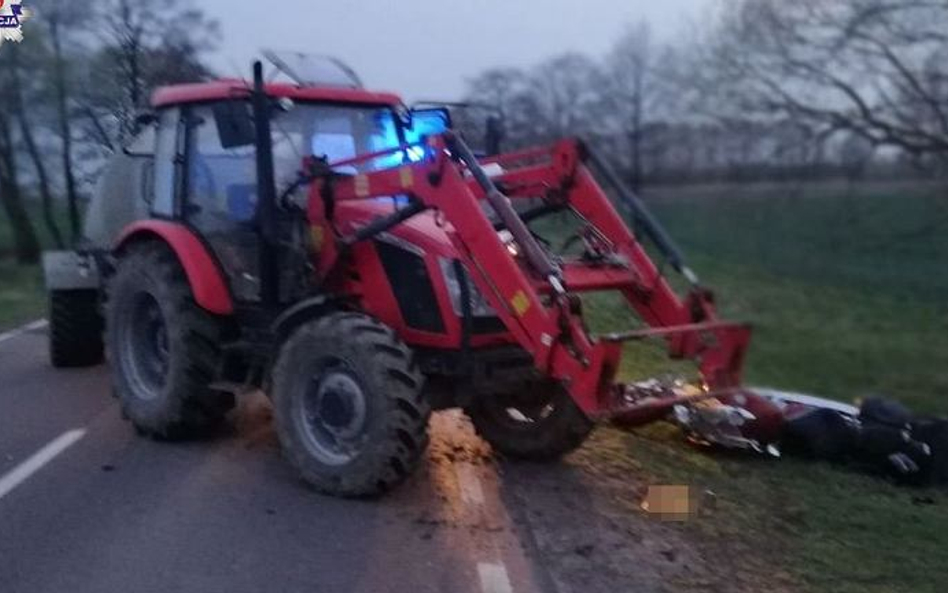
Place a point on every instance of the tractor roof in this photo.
(235, 88)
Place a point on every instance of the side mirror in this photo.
(427, 122)
(142, 144)
(234, 124)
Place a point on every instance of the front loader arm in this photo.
(689, 325)
(535, 296)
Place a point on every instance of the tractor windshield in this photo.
(221, 171)
(337, 133)
(222, 175)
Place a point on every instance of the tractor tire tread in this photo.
(190, 409)
(565, 430)
(398, 447)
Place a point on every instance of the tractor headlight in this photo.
(479, 306)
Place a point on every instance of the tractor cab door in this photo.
(220, 194)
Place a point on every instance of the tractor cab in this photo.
(195, 157)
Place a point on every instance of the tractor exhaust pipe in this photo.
(266, 188)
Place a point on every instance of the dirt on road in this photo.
(593, 535)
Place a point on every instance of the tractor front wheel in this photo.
(163, 348)
(349, 407)
(539, 423)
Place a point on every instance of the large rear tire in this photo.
(539, 423)
(75, 329)
(163, 348)
(349, 407)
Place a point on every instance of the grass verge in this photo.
(847, 294)
(22, 297)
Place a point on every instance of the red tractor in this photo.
(359, 264)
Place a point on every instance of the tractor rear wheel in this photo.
(349, 407)
(75, 329)
(539, 423)
(163, 348)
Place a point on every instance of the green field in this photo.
(847, 287)
(21, 288)
(848, 292)
(21, 294)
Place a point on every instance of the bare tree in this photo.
(875, 68)
(629, 71)
(60, 17)
(144, 45)
(128, 48)
(564, 95)
(25, 244)
(17, 108)
(498, 87)
(506, 90)
(554, 99)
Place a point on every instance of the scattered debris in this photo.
(881, 435)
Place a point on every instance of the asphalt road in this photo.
(86, 505)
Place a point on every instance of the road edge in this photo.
(24, 329)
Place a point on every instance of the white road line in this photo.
(36, 325)
(22, 472)
(471, 490)
(494, 578)
(29, 327)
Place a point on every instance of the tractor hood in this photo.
(424, 231)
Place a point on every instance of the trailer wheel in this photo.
(163, 348)
(539, 423)
(349, 408)
(75, 329)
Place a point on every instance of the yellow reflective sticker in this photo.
(520, 303)
(407, 177)
(318, 235)
(362, 186)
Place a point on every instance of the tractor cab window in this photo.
(221, 198)
(222, 179)
(222, 182)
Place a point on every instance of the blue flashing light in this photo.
(415, 154)
(387, 139)
(425, 123)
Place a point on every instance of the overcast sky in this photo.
(426, 49)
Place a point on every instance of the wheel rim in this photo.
(147, 349)
(333, 414)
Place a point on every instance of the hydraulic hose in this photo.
(643, 217)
